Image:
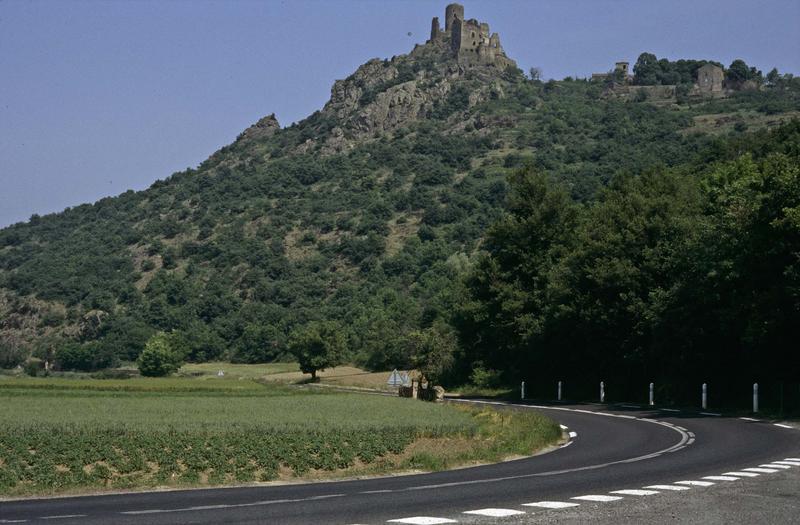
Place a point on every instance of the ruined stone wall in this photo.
(710, 78)
(451, 13)
(469, 40)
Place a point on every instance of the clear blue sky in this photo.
(100, 97)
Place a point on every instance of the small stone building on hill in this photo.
(710, 78)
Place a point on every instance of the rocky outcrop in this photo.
(384, 95)
(264, 128)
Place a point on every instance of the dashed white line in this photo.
(721, 478)
(597, 497)
(782, 425)
(761, 470)
(495, 513)
(422, 520)
(63, 516)
(710, 414)
(667, 487)
(749, 419)
(635, 492)
(775, 465)
(551, 504)
(695, 483)
(741, 474)
(669, 409)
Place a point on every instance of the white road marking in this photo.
(635, 492)
(495, 513)
(13, 521)
(63, 516)
(573, 434)
(695, 483)
(667, 487)
(741, 474)
(775, 465)
(597, 497)
(551, 504)
(792, 463)
(749, 419)
(761, 470)
(669, 409)
(710, 414)
(236, 505)
(384, 491)
(422, 520)
(782, 425)
(721, 478)
(791, 459)
(563, 427)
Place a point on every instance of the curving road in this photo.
(617, 448)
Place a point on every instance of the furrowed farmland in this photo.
(73, 435)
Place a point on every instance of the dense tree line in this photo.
(676, 276)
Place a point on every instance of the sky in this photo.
(98, 97)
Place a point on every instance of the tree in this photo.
(646, 70)
(432, 351)
(258, 344)
(739, 72)
(12, 353)
(159, 358)
(773, 76)
(318, 345)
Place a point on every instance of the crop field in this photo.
(74, 435)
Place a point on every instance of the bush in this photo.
(11, 355)
(485, 378)
(34, 367)
(74, 356)
(158, 357)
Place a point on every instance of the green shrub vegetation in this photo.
(634, 220)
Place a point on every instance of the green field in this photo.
(67, 435)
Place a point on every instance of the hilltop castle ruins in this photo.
(469, 40)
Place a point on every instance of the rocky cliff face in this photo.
(384, 95)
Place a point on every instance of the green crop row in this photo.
(44, 459)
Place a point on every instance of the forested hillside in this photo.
(631, 227)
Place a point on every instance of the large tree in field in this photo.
(318, 345)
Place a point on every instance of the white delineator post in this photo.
(652, 399)
(755, 397)
(559, 390)
(602, 392)
(522, 390)
(705, 397)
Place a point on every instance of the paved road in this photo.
(622, 448)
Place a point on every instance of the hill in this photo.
(369, 212)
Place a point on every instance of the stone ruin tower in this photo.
(469, 40)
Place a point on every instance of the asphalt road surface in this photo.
(661, 461)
